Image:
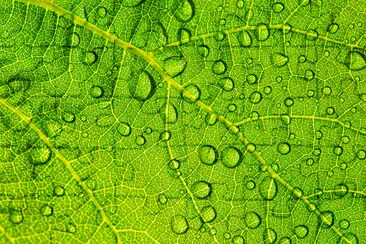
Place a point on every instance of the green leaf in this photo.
(182, 121)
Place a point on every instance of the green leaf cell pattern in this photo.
(182, 121)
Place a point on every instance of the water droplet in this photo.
(251, 147)
(191, 93)
(165, 136)
(327, 90)
(238, 239)
(348, 238)
(208, 214)
(40, 155)
(220, 36)
(175, 66)
(333, 28)
(269, 235)
(361, 154)
(90, 58)
(96, 91)
(268, 188)
(124, 129)
(208, 154)
(16, 216)
(71, 228)
(250, 185)
(75, 40)
(231, 157)
(267, 90)
(312, 35)
(255, 97)
(179, 224)
(231, 107)
(142, 86)
(203, 51)
(140, 140)
(162, 198)
(183, 35)
(252, 220)
(174, 164)
(355, 61)
(327, 220)
(245, 39)
(252, 79)
(289, 102)
(227, 235)
(219, 67)
(284, 148)
(301, 231)
(285, 240)
(68, 117)
(286, 119)
(344, 224)
(279, 59)
(338, 150)
(278, 7)
(210, 119)
(340, 190)
(46, 210)
(59, 191)
(201, 189)
(226, 83)
(185, 11)
(102, 12)
(169, 113)
(262, 32)
(309, 74)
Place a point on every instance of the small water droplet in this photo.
(278, 7)
(309, 74)
(71, 228)
(301, 231)
(226, 83)
(279, 59)
(59, 191)
(344, 224)
(46, 210)
(219, 67)
(262, 32)
(245, 39)
(174, 164)
(124, 129)
(268, 188)
(165, 136)
(90, 58)
(252, 220)
(252, 79)
(284, 148)
(208, 154)
(16, 216)
(238, 239)
(333, 28)
(102, 12)
(269, 235)
(208, 214)
(162, 198)
(142, 86)
(231, 157)
(140, 140)
(203, 51)
(175, 66)
(201, 189)
(185, 11)
(255, 97)
(361, 154)
(68, 117)
(191, 93)
(327, 220)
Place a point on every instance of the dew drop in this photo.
(175, 66)
(356, 61)
(231, 107)
(185, 11)
(140, 140)
(208, 214)
(96, 91)
(231, 157)
(309, 74)
(252, 220)
(68, 117)
(169, 113)
(46, 210)
(40, 155)
(333, 28)
(179, 224)
(267, 90)
(255, 97)
(208, 154)
(340, 190)
(289, 102)
(338, 150)
(183, 35)
(348, 238)
(162, 198)
(285, 240)
(124, 129)
(361, 154)
(219, 36)
(238, 239)
(16, 216)
(75, 40)
(201, 189)
(328, 219)
(278, 7)
(59, 191)
(210, 119)
(252, 79)
(219, 67)
(245, 39)
(284, 148)
(191, 93)
(71, 228)
(174, 164)
(279, 59)
(203, 51)
(344, 224)
(269, 235)
(327, 90)
(262, 32)
(102, 12)
(165, 136)
(226, 83)
(250, 185)
(301, 231)
(143, 86)
(90, 58)
(268, 188)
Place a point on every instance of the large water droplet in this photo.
(140, 140)
(231, 157)
(142, 86)
(252, 220)
(191, 93)
(268, 188)
(328, 219)
(226, 83)
(201, 189)
(219, 67)
(344, 224)
(46, 210)
(124, 129)
(348, 238)
(355, 61)
(96, 91)
(301, 231)
(262, 32)
(284, 148)
(165, 136)
(244, 39)
(175, 66)
(16, 216)
(208, 154)
(169, 113)
(208, 214)
(279, 59)
(179, 224)
(238, 239)
(184, 35)
(59, 191)
(185, 11)
(269, 235)
(255, 97)
(40, 155)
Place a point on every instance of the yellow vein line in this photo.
(47, 141)
(311, 117)
(11, 239)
